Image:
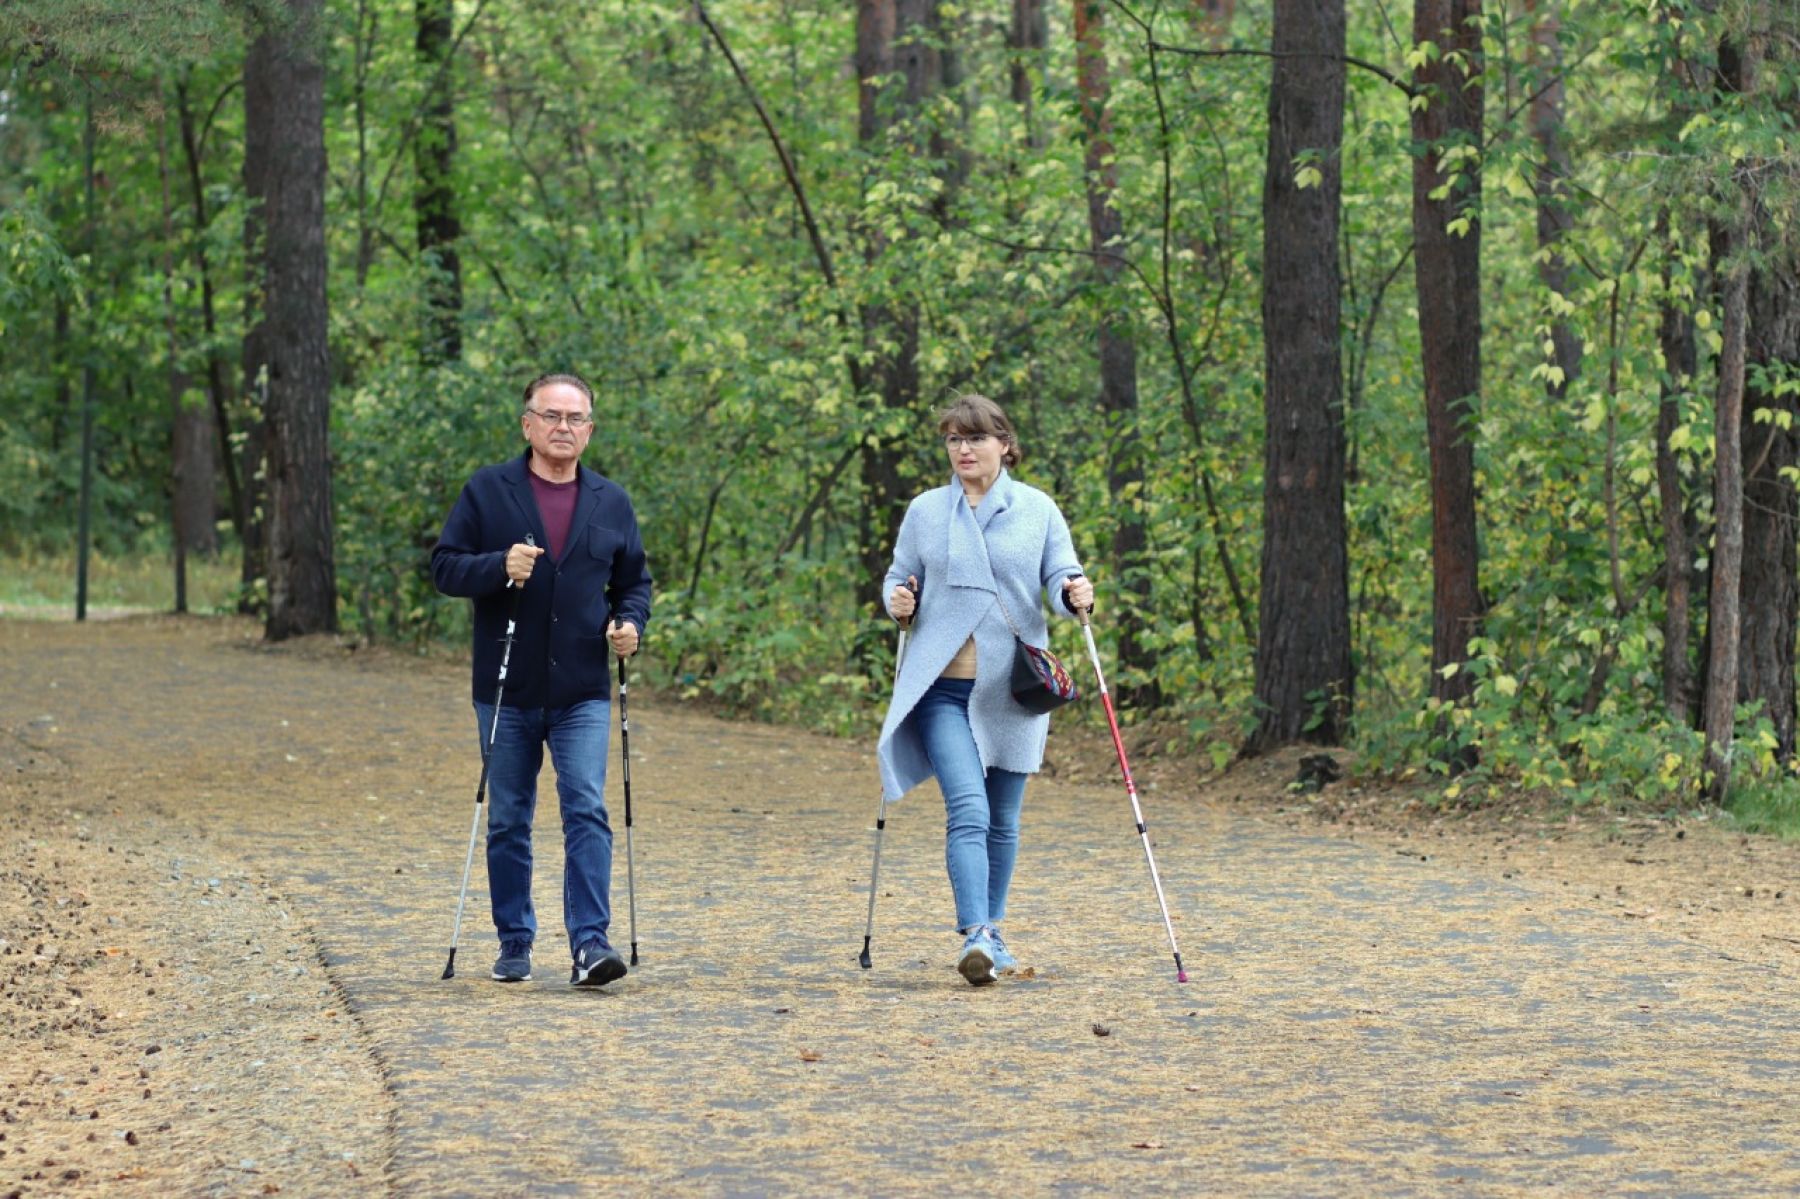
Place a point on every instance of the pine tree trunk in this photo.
(434, 200)
(1675, 334)
(1118, 359)
(1027, 37)
(1770, 592)
(1447, 270)
(284, 99)
(1740, 68)
(1304, 685)
(892, 37)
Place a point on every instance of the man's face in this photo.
(553, 436)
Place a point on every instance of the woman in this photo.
(982, 551)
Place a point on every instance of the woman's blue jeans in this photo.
(981, 811)
(577, 738)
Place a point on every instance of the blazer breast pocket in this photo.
(604, 543)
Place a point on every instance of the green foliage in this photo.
(624, 215)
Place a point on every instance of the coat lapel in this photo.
(518, 486)
(968, 552)
(585, 500)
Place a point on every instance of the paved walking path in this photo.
(1358, 1021)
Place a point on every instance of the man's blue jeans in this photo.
(981, 813)
(577, 738)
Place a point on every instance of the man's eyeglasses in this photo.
(975, 441)
(577, 421)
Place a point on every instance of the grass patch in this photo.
(1768, 806)
(43, 586)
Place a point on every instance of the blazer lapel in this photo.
(585, 501)
(518, 486)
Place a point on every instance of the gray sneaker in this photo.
(977, 961)
(514, 963)
(596, 965)
(1003, 958)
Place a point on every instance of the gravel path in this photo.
(277, 835)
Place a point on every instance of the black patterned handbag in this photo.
(1040, 682)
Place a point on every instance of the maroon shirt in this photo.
(556, 504)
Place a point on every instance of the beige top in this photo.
(963, 665)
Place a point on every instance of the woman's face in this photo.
(976, 457)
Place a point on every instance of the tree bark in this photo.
(892, 37)
(1728, 533)
(1770, 587)
(1118, 359)
(1675, 334)
(1551, 173)
(1769, 602)
(215, 367)
(193, 477)
(284, 101)
(1304, 685)
(1026, 38)
(434, 200)
(1740, 68)
(1447, 270)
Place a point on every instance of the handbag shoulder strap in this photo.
(1004, 614)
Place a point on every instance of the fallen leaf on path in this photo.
(809, 1055)
(1146, 1144)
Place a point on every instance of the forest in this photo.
(1418, 378)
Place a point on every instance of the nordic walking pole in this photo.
(487, 753)
(881, 811)
(1137, 812)
(625, 761)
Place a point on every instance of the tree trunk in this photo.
(284, 102)
(1118, 359)
(1770, 598)
(1728, 532)
(1447, 270)
(1304, 685)
(193, 481)
(1026, 38)
(1740, 67)
(1551, 174)
(215, 366)
(1675, 333)
(434, 200)
(892, 37)
(1770, 592)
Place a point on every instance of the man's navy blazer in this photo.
(560, 653)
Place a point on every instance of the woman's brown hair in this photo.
(973, 413)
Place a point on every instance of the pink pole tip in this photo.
(1181, 976)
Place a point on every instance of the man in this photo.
(590, 596)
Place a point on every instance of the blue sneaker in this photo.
(596, 965)
(1003, 958)
(977, 961)
(514, 963)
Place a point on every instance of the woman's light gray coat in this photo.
(1016, 544)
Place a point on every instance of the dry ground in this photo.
(227, 884)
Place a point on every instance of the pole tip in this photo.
(450, 966)
(634, 953)
(864, 960)
(1181, 976)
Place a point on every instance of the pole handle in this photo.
(912, 585)
(531, 541)
(1081, 613)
